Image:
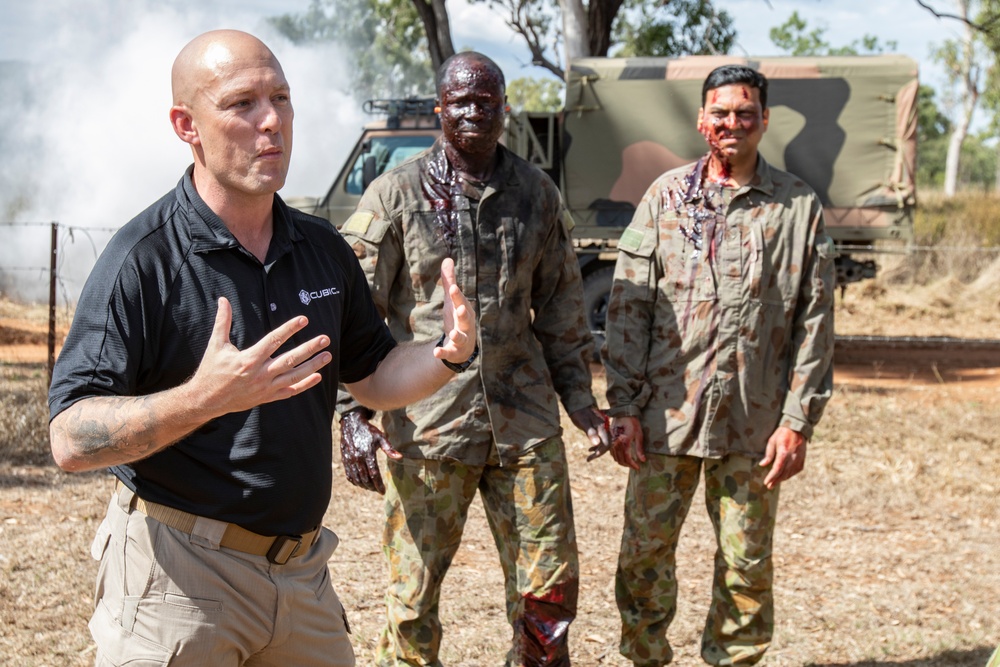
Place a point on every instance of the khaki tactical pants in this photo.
(164, 596)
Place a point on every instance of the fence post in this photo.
(52, 299)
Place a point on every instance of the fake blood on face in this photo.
(732, 123)
(472, 119)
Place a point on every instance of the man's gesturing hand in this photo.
(232, 380)
(358, 438)
(459, 319)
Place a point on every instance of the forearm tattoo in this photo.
(114, 430)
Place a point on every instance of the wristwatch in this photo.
(462, 367)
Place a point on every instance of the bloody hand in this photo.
(594, 423)
(358, 439)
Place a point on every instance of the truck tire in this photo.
(596, 290)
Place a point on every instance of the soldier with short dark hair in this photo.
(495, 427)
(718, 357)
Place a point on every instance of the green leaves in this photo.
(384, 40)
(795, 38)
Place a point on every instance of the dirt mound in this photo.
(13, 335)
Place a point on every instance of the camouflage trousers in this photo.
(530, 513)
(741, 616)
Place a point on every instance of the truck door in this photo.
(375, 153)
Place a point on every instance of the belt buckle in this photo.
(283, 548)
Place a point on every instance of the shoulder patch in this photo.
(568, 220)
(358, 223)
(631, 240)
(827, 248)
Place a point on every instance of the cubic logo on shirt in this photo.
(305, 297)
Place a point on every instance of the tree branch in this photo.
(985, 26)
(521, 21)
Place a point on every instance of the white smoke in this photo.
(87, 138)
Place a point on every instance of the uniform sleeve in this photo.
(560, 324)
(369, 232)
(365, 339)
(811, 380)
(630, 312)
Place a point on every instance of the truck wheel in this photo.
(596, 290)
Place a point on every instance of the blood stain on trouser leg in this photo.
(541, 634)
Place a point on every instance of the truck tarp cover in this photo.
(845, 125)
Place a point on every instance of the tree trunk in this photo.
(446, 47)
(996, 181)
(574, 30)
(600, 18)
(968, 73)
(437, 27)
(953, 159)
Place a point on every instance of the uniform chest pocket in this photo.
(507, 255)
(426, 236)
(774, 266)
(683, 249)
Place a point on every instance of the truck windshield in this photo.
(387, 152)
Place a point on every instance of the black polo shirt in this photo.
(143, 323)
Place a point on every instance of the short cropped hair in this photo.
(473, 56)
(731, 74)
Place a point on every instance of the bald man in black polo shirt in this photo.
(202, 369)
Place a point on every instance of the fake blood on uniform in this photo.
(698, 220)
(541, 634)
(441, 184)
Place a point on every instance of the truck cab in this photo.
(409, 126)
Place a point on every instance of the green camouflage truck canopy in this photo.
(844, 124)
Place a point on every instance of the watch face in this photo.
(458, 368)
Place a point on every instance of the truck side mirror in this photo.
(368, 172)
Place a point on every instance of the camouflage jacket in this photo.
(514, 260)
(720, 321)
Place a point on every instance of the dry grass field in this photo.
(888, 545)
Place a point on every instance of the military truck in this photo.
(845, 125)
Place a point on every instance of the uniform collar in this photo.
(762, 180)
(209, 232)
(504, 175)
(695, 180)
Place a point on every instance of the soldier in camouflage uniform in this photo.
(495, 427)
(718, 357)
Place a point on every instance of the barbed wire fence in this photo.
(59, 236)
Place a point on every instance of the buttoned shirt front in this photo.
(720, 321)
(514, 260)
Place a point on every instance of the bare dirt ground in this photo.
(888, 545)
